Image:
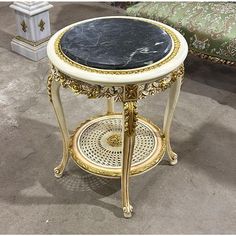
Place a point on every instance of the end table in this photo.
(123, 59)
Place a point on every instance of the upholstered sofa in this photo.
(209, 28)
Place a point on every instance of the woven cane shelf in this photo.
(96, 146)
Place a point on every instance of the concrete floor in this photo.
(196, 196)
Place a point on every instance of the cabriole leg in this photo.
(169, 113)
(129, 124)
(53, 88)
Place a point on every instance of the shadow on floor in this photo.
(5, 40)
(211, 149)
(26, 168)
(210, 74)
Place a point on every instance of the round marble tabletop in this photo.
(116, 43)
(117, 50)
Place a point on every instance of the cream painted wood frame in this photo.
(162, 76)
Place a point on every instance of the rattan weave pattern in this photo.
(93, 143)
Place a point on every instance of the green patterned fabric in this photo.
(209, 28)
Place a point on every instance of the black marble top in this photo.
(116, 43)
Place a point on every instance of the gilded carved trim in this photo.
(115, 140)
(132, 92)
(91, 90)
(130, 117)
(49, 86)
(160, 85)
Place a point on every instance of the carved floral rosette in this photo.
(118, 92)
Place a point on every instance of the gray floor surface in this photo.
(196, 196)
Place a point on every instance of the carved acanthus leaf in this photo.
(132, 92)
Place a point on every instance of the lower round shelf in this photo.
(96, 146)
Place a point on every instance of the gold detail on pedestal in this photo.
(130, 117)
(32, 43)
(24, 26)
(115, 140)
(119, 93)
(41, 25)
(169, 57)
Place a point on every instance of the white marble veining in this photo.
(116, 43)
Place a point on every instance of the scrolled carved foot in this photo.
(58, 171)
(128, 211)
(173, 158)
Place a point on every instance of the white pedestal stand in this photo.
(33, 29)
